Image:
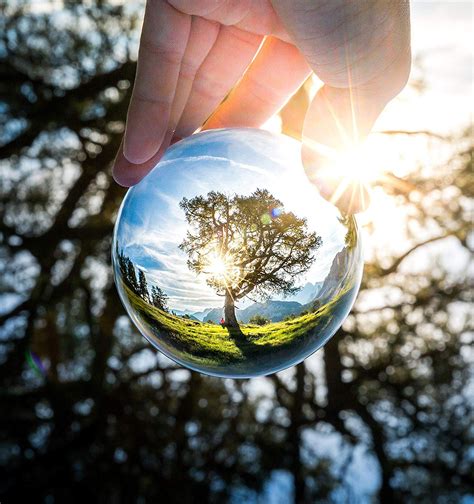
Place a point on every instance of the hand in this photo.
(193, 52)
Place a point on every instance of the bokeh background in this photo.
(90, 413)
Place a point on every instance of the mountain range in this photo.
(307, 293)
(275, 310)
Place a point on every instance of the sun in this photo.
(216, 266)
(221, 267)
(346, 176)
(358, 164)
(355, 163)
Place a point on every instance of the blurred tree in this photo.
(112, 421)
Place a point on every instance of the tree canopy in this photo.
(247, 244)
(262, 253)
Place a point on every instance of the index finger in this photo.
(162, 45)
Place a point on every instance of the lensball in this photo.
(229, 261)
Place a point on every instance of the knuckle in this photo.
(210, 89)
(263, 92)
(144, 96)
(188, 70)
(165, 54)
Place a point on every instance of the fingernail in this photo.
(144, 133)
(175, 139)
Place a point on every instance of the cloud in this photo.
(154, 225)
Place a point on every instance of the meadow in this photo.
(212, 345)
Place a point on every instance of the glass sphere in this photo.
(229, 261)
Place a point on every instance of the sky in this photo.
(152, 224)
(442, 34)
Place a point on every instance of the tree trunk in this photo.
(294, 435)
(229, 311)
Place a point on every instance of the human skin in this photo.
(194, 52)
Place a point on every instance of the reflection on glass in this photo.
(228, 260)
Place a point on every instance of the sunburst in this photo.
(221, 267)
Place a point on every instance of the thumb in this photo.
(361, 51)
(337, 121)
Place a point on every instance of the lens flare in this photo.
(34, 362)
(217, 266)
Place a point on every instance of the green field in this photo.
(212, 346)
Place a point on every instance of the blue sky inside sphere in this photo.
(152, 224)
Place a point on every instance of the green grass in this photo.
(213, 346)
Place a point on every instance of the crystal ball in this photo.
(229, 261)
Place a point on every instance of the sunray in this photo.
(339, 191)
(355, 128)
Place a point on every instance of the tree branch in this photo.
(399, 260)
(445, 138)
(61, 110)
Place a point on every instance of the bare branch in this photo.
(399, 260)
(432, 134)
(60, 110)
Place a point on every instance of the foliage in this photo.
(143, 286)
(266, 255)
(213, 345)
(259, 247)
(127, 272)
(139, 285)
(158, 298)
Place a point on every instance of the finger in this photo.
(255, 17)
(128, 174)
(272, 78)
(201, 40)
(348, 44)
(162, 45)
(357, 88)
(226, 62)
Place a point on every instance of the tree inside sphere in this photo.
(229, 261)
